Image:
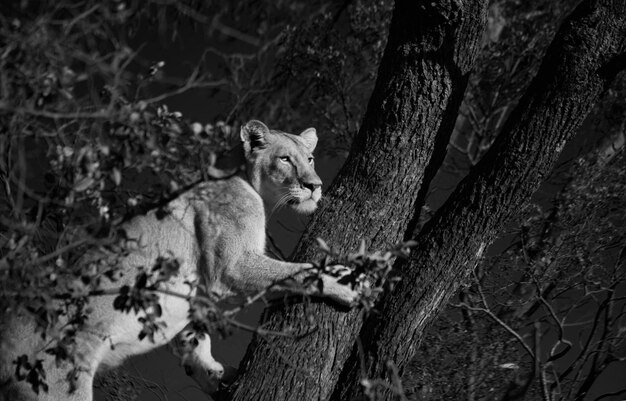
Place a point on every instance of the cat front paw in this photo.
(338, 286)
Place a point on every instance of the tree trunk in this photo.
(582, 60)
(420, 84)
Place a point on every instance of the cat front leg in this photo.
(256, 272)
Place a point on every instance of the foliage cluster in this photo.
(84, 145)
(87, 141)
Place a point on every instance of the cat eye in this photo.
(310, 160)
(284, 159)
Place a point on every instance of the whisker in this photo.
(280, 203)
(283, 201)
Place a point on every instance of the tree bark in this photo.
(582, 60)
(420, 85)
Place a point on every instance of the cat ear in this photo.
(254, 135)
(309, 136)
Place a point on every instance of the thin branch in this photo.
(190, 84)
(501, 323)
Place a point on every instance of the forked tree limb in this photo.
(431, 48)
(571, 78)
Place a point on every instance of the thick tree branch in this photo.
(567, 85)
(421, 80)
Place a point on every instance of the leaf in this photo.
(559, 354)
(141, 281)
(320, 286)
(119, 303)
(116, 176)
(82, 184)
(347, 279)
(162, 213)
(21, 363)
(410, 244)
(323, 245)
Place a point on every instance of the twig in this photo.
(188, 86)
(500, 322)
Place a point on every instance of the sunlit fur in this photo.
(216, 230)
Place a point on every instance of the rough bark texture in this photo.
(420, 84)
(582, 60)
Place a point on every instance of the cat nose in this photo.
(311, 186)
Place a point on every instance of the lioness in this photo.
(216, 231)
